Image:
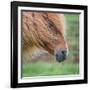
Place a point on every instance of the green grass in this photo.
(43, 69)
(72, 35)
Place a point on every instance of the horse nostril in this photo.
(57, 55)
(63, 52)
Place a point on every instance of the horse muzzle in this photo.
(61, 55)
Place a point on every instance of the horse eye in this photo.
(50, 24)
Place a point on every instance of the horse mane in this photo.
(38, 30)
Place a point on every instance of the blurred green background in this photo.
(48, 65)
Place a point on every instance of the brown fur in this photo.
(43, 30)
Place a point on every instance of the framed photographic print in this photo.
(48, 44)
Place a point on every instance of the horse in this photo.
(46, 31)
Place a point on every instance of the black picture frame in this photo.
(14, 44)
